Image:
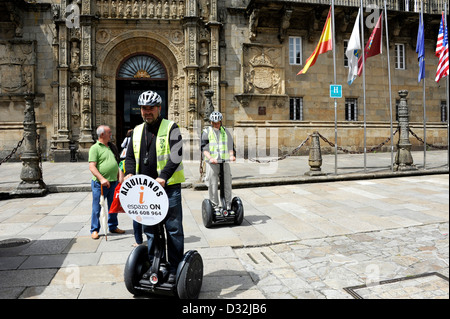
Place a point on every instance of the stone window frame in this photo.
(351, 102)
(294, 59)
(400, 56)
(443, 111)
(293, 114)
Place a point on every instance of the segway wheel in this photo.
(190, 277)
(137, 264)
(238, 208)
(207, 213)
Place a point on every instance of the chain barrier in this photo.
(326, 141)
(7, 158)
(355, 152)
(428, 144)
(39, 152)
(40, 155)
(284, 156)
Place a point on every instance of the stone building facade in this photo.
(86, 61)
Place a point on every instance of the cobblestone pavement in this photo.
(296, 241)
(323, 267)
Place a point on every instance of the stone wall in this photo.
(242, 110)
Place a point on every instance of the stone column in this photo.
(191, 20)
(214, 56)
(403, 159)
(31, 174)
(315, 156)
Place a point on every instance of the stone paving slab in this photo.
(306, 241)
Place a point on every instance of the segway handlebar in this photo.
(221, 161)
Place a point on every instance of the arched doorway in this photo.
(137, 73)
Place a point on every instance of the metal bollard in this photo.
(315, 156)
(73, 152)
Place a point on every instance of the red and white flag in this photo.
(442, 50)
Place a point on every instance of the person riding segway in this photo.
(157, 152)
(218, 150)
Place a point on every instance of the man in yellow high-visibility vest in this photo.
(157, 152)
(217, 145)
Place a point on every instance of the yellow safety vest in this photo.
(218, 147)
(162, 150)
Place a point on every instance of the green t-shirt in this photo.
(106, 161)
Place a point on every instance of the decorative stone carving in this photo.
(75, 101)
(203, 63)
(209, 107)
(16, 19)
(260, 74)
(285, 23)
(17, 63)
(141, 9)
(74, 56)
(103, 36)
(263, 74)
(253, 24)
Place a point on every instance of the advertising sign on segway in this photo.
(144, 200)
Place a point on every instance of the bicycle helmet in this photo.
(149, 98)
(215, 117)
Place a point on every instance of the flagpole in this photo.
(335, 100)
(364, 79)
(390, 87)
(424, 108)
(446, 82)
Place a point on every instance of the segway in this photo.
(222, 215)
(143, 276)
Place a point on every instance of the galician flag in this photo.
(353, 51)
(375, 44)
(325, 44)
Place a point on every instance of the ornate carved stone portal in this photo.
(182, 34)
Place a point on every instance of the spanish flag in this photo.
(325, 44)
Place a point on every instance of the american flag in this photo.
(442, 50)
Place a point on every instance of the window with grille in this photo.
(444, 111)
(351, 109)
(345, 56)
(397, 104)
(142, 67)
(296, 109)
(295, 50)
(399, 56)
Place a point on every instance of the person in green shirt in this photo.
(104, 166)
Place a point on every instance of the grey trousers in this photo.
(212, 181)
